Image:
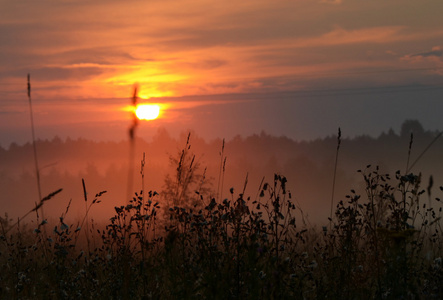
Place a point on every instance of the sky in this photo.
(299, 68)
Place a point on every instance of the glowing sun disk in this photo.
(147, 111)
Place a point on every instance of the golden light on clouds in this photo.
(196, 58)
(155, 79)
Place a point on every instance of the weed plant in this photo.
(384, 244)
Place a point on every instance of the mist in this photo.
(240, 164)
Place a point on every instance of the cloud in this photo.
(435, 55)
(340, 36)
(435, 52)
(206, 64)
(79, 72)
(332, 1)
(431, 61)
(197, 46)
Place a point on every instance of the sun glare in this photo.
(147, 111)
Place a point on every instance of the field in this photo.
(383, 244)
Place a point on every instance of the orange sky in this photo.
(225, 67)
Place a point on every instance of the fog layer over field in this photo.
(220, 166)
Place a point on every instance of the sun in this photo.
(147, 111)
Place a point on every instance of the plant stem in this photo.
(335, 175)
(37, 171)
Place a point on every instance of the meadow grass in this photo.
(385, 244)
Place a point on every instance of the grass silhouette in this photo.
(385, 244)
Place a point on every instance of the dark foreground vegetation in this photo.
(384, 244)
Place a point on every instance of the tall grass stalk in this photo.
(142, 173)
(85, 195)
(411, 140)
(409, 168)
(38, 206)
(131, 133)
(335, 175)
(37, 170)
(221, 174)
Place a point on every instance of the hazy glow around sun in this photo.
(147, 111)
